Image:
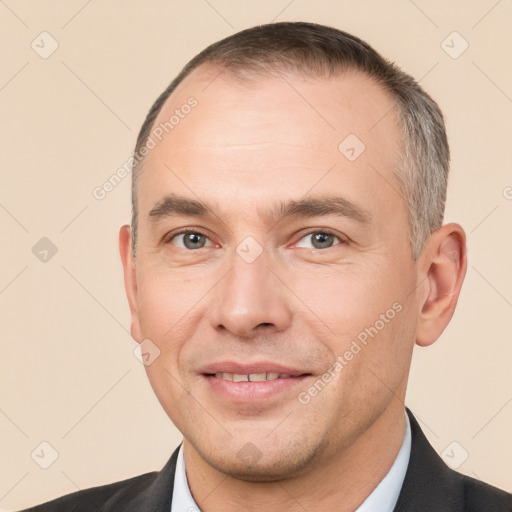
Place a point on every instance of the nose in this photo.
(250, 299)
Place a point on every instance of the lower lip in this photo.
(247, 392)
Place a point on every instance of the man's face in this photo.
(253, 292)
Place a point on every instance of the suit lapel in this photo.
(158, 495)
(429, 484)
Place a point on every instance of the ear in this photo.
(130, 280)
(443, 263)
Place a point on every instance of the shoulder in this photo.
(101, 498)
(480, 496)
(150, 492)
(430, 484)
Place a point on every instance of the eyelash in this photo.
(184, 231)
(343, 240)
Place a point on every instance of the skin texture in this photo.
(246, 145)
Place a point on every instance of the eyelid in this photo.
(171, 236)
(341, 237)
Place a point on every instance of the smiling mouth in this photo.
(256, 386)
(254, 377)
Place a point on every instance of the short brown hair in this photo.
(321, 51)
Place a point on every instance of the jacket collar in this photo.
(157, 497)
(429, 484)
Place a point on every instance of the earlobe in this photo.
(445, 269)
(130, 281)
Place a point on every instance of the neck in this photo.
(341, 481)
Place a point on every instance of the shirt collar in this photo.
(383, 498)
(182, 500)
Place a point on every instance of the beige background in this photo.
(68, 374)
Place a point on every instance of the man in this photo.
(286, 253)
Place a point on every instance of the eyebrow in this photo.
(176, 205)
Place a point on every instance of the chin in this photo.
(254, 464)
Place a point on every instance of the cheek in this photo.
(173, 314)
(348, 299)
(369, 321)
(166, 297)
(166, 308)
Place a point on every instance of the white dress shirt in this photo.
(382, 499)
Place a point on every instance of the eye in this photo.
(190, 240)
(318, 240)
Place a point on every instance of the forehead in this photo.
(327, 107)
(285, 131)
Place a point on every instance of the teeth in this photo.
(252, 377)
(257, 377)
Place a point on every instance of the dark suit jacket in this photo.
(429, 486)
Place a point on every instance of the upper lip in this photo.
(246, 369)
